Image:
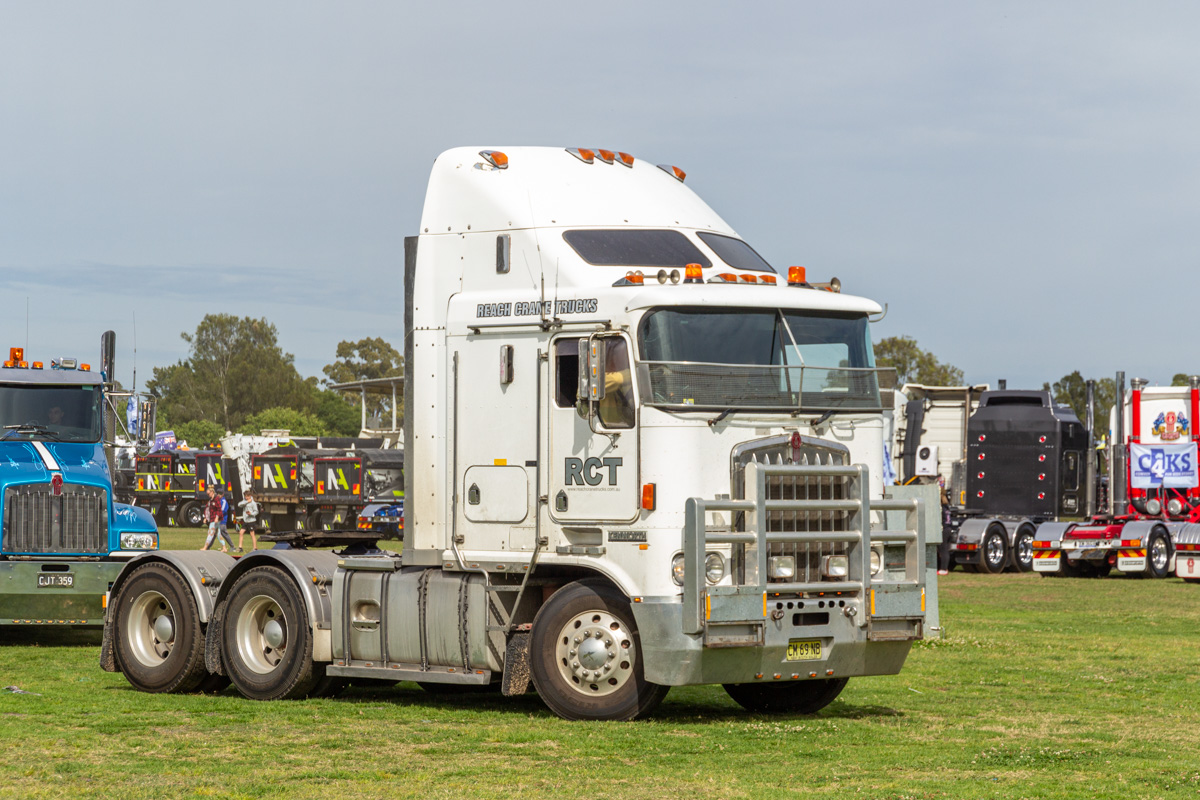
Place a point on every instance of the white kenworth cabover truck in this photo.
(636, 457)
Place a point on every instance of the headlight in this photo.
(781, 567)
(714, 567)
(835, 566)
(876, 561)
(1174, 507)
(1153, 506)
(139, 541)
(677, 569)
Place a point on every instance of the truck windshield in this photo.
(758, 359)
(52, 412)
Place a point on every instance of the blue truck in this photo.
(64, 539)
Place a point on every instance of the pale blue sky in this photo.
(1016, 181)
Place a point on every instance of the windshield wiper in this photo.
(29, 428)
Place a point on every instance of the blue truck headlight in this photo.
(139, 541)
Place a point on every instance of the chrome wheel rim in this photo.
(1025, 549)
(1158, 554)
(595, 653)
(994, 550)
(261, 633)
(151, 627)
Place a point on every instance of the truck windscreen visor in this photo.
(735, 252)
(635, 248)
(739, 358)
(58, 413)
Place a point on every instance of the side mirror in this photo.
(146, 422)
(591, 370)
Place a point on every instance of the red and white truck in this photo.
(1154, 493)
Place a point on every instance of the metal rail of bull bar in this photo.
(858, 535)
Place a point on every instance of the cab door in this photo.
(593, 451)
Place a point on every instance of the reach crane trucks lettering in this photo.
(636, 457)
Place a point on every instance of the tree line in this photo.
(236, 378)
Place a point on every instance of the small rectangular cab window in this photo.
(735, 252)
(621, 247)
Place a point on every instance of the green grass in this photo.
(1042, 688)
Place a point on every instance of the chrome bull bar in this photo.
(745, 600)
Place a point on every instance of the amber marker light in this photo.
(583, 154)
(674, 172)
(606, 156)
(748, 278)
(693, 273)
(625, 159)
(769, 279)
(495, 158)
(648, 496)
(796, 276)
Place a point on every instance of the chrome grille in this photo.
(37, 521)
(810, 452)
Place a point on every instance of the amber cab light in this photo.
(625, 159)
(723, 277)
(85, 367)
(693, 273)
(635, 277)
(495, 158)
(796, 276)
(748, 278)
(674, 172)
(16, 354)
(767, 279)
(37, 365)
(648, 496)
(583, 154)
(606, 156)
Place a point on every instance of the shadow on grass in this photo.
(20, 636)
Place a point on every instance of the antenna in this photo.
(134, 387)
(26, 324)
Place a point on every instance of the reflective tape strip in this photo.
(47, 458)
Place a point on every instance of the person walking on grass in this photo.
(249, 522)
(217, 512)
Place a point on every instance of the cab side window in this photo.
(566, 372)
(617, 407)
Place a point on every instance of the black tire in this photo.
(268, 644)
(616, 689)
(1023, 551)
(794, 697)
(159, 642)
(993, 551)
(190, 515)
(1158, 555)
(313, 522)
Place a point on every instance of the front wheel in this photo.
(1158, 555)
(796, 697)
(191, 515)
(586, 656)
(267, 640)
(159, 644)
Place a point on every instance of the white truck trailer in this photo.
(637, 457)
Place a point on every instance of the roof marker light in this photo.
(495, 158)
(796, 276)
(723, 277)
(625, 159)
(16, 354)
(674, 172)
(635, 278)
(748, 278)
(37, 365)
(606, 156)
(767, 279)
(85, 367)
(693, 273)
(583, 154)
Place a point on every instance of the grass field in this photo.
(1042, 688)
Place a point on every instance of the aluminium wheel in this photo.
(1158, 555)
(993, 551)
(159, 643)
(795, 697)
(586, 656)
(267, 641)
(190, 515)
(1023, 551)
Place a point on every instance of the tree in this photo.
(368, 359)
(339, 416)
(234, 368)
(297, 423)
(198, 433)
(1072, 391)
(914, 365)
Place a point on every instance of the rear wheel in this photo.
(993, 551)
(795, 697)
(1023, 551)
(190, 515)
(586, 656)
(268, 643)
(1158, 555)
(159, 644)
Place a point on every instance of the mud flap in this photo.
(516, 666)
(108, 658)
(212, 642)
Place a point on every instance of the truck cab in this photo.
(64, 538)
